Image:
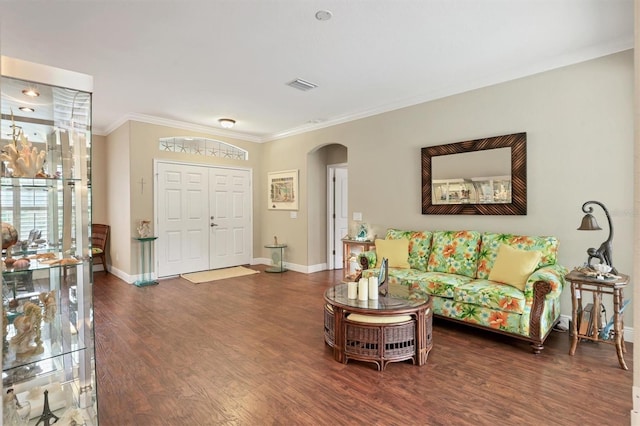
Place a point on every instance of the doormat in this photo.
(218, 274)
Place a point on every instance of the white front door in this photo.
(183, 220)
(203, 216)
(230, 215)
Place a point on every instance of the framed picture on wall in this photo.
(282, 188)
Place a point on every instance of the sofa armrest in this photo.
(367, 259)
(541, 288)
(552, 274)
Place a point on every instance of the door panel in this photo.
(183, 244)
(230, 207)
(341, 211)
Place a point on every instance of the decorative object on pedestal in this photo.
(589, 223)
(144, 228)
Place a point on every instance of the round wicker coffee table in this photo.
(381, 331)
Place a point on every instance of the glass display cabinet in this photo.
(48, 365)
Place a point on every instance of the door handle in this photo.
(213, 224)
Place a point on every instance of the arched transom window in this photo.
(203, 146)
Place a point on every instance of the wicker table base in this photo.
(388, 330)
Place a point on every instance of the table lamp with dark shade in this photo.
(589, 223)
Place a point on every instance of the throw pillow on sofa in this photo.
(419, 246)
(455, 252)
(514, 266)
(397, 251)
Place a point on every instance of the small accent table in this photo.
(146, 245)
(382, 338)
(580, 284)
(346, 250)
(277, 256)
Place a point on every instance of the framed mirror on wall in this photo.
(477, 177)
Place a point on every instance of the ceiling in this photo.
(188, 63)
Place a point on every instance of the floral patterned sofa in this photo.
(453, 267)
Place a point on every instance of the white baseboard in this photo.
(122, 275)
(628, 331)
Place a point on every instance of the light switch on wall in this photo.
(357, 216)
(294, 215)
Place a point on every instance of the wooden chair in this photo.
(99, 239)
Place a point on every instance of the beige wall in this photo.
(141, 141)
(99, 181)
(579, 126)
(119, 198)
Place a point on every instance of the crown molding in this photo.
(505, 75)
(176, 124)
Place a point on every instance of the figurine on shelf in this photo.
(27, 340)
(14, 413)
(23, 340)
(48, 300)
(72, 417)
(144, 228)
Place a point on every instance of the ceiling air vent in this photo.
(301, 84)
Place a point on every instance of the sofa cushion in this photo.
(491, 242)
(509, 322)
(490, 294)
(419, 246)
(455, 252)
(379, 319)
(513, 266)
(436, 283)
(396, 251)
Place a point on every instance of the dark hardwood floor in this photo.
(250, 351)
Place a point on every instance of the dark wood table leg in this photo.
(574, 319)
(617, 326)
(338, 333)
(421, 337)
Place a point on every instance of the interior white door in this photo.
(183, 220)
(341, 208)
(230, 217)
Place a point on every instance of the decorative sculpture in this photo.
(27, 340)
(48, 300)
(604, 253)
(47, 414)
(144, 228)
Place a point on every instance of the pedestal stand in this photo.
(146, 246)
(277, 256)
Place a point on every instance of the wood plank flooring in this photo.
(250, 351)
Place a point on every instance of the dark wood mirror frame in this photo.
(518, 206)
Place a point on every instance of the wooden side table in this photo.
(347, 244)
(580, 284)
